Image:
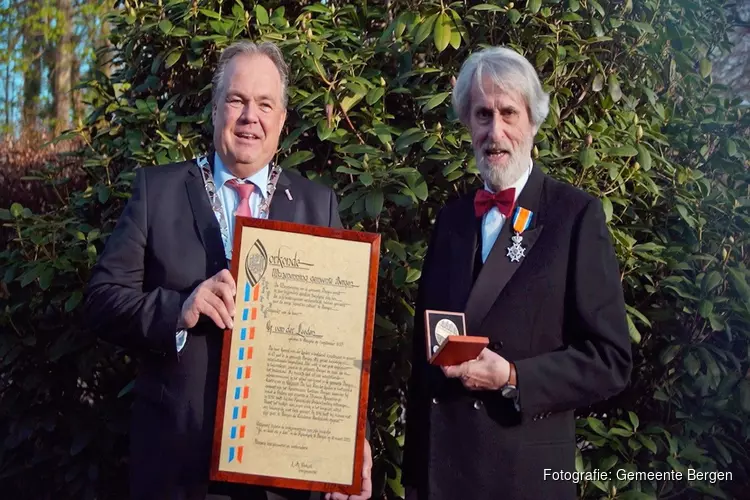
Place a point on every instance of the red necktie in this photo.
(245, 190)
(484, 201)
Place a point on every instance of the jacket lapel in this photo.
(206, 224)
(282, 208)
(498, 269)
(463, 242)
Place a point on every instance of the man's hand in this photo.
(489, 371)
(213, 298)
(366, 480)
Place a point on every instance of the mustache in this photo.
(497, 147)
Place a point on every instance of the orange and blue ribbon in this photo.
(522, 219)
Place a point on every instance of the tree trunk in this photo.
(78, 109)
(9, 104)
(32, 79)
(103, 55)
(63, 67)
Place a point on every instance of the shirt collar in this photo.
(222, 176)
(519, 184)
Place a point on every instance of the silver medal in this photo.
(516, 252)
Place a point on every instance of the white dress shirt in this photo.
(493, 220)
(230, 199)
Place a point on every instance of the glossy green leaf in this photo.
(413, 275)
(210, 13)
(613, 84)
(705, 308)
(587, 157)
(598, 29)
(455, 40)
(634, 420)
(429, 143)
(374, 203)
(165, 25)
(669, 354)
(172, 59)
(487, 7)
(435, 101)
(45, 278)
(597, 426)
(711, 280)
(261, 14)
(598, 84)
(692, 364)
(442, 32)
(608, 463)
(73, 301)
(635, 335)
(739, 283)
(608, 209)
(647, 442)
(731, 147)
(323, 131)
(644, 157)
(296, 158)
(408, 138)
(315, 49)
(366, 179)
(620, 432)
(425, 28)
(396, 248)
(643, 27)
(374, 95)
(623, 151)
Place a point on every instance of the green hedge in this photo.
(635, 120)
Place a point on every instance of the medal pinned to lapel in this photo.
(521, 222)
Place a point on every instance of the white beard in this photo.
(503, 176)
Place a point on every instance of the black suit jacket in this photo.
(559, 314)
(166, 242)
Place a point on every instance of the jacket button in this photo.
(477, 404)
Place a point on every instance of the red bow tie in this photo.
(484, 201)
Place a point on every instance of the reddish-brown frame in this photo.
(327, 232)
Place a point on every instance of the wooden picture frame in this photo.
(355, 255)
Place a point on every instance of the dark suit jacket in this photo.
(559, 314)
(166, 242)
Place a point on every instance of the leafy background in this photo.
(635, 119)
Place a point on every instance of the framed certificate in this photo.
(295, 367)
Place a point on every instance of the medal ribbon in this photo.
(522, 219)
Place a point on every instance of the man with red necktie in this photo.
(162, 287)
(530, 263)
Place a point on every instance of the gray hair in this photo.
(267, 49)
(508, 70)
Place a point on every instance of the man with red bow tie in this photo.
(530, 263)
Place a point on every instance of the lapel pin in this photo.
(288, 194)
